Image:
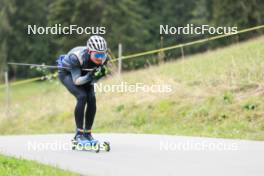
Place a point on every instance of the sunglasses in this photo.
(100, 55)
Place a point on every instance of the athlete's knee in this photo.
(91, 98)
(82, 97)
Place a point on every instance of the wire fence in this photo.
(120, 58)
(188, 44)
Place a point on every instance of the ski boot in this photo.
(80, 142)
(104, 146)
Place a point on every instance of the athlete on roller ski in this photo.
(80, 83)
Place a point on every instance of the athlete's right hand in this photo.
(100, 72)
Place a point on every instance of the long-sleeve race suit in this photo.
(79, 83)
(74, 61)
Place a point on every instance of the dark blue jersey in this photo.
(74, 61)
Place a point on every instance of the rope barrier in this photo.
(187, 44)
(154, 51)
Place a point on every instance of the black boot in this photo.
(87, 134)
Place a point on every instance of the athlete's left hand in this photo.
(100, 71)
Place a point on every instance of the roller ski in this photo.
(86, 142)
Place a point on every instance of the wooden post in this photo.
(119, 58)
(182, 52)
(161, 54)
(7, 93)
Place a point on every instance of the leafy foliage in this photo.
(135, 24)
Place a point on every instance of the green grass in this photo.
(10, 166)
(217, 94)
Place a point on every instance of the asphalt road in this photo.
(139, 154)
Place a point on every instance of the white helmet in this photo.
(97, 43)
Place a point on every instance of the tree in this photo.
(18, 45)
(6, 10)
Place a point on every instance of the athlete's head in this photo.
(97, 48)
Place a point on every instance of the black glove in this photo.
(100, 72)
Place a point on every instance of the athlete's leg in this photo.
(81, 96)
(91, 107)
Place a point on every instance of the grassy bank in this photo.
(219, 94)
(10, 166)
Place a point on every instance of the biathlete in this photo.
(80, 82)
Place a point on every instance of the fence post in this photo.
(161, 54)
(119, 58)
(182, 52)
(7, 93)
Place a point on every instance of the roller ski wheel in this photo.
(105, 146)
(96, 147)
(74, 143)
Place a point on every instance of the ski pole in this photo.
(43, 65)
